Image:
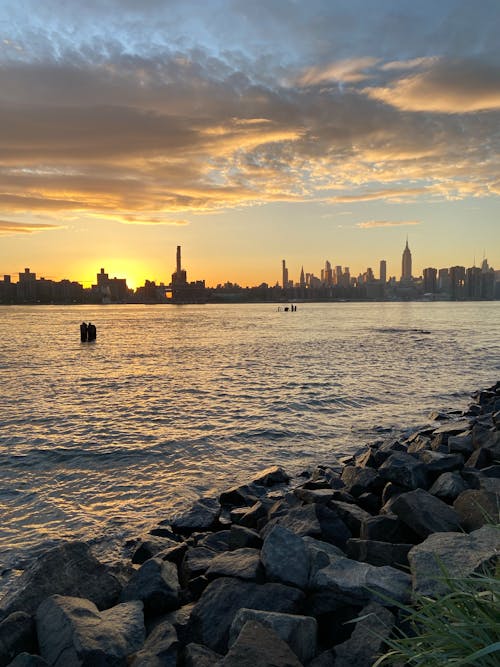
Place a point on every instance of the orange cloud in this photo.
(370, 224)
(8, 227)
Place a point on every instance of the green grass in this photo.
(461, 627)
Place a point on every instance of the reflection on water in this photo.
(171, 402)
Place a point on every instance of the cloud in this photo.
(346, 71)
(8, 227)
(460, 86)
(370, 224)
(397, 195)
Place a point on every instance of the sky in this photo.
(247, 133)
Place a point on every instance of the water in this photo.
(100, 441)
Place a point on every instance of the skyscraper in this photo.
(406, 264)
(302, 278)
(383, 271)
(179, 277)
(284, 274)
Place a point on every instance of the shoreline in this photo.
(300, 559)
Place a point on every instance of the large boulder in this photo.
(300, 520)
(17, 634)
(358, 480)
(366, 643)
(379, 553)
(259, 646)
(197, 655)
(424, 513)
(387, 528)
(271, 476)
(457, 553)
(28, 660)
(299, 632)
(242, 537)
(437, 463)
(160, 649)
(285, 558)
(404, 470)
(359, 583)
(320, 554)
(72, 632)
(156, 584)
(214, 612)
(352, 515)
(448, 486)
(68, 569)
(477, 507)
(203, 515)
(241, 563)
(150, 547)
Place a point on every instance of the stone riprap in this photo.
(277, 570)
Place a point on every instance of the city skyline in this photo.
(247, 133)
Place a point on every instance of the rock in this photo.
(251, 516)
(241, 563)
(358, 480)
(202, 516)
(387, 528)
(461, 443)
(271, 476)
(213, 614)
(477, 507)
(242, 537)
(174, 554)
(480, 458)
(367, 640)
(404, 470)
(160, 649)
(333, 529)
(437, 463)
(156, 584)
(72, 631)
(448, 486)
(196, 655)
(379, 553)
(370, 502)
(452, 428)
(196, 561)
(244, 495)
(17, 634)
(360, 583)
(320, 554)
(285, 558)
(483, 436)
(300, 520)
(28, 660)
(425, 514)
(352, 515)
(458, 553)
(314, 495)
(324, 659)
(259, 646)
(68, 569)
(492, 471)
(420, 444)
(299, 632)
(218, 541)
(150, 547)
(392, 490)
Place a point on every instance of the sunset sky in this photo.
(247, 131)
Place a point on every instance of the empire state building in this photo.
(406, 264)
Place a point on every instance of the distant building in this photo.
(302, 278)
(110, 290)
(179, 276)
(406, 275)
(284, 274)
(430, 280)
(383, 271)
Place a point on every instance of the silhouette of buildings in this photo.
(406, 275)
(180, 291)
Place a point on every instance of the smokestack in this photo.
(178, 260)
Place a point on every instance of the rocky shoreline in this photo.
(276, 571)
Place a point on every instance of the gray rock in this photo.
(174, 554)
(387, 528)
(448, 486)
(299, 632)
(461, 443)
(320, 554)
(28, 660)
(404, 470)
(367, 640)
(179, 618)
(352, 515)
(359, 583)
(333, 528)
(150, 547)
(218, 541)
(242, 537)
(379, 553)
(160, 649)
(425, 514)
(258, 646)
(324, 659)
(285, 558)
(459, 554)
(156, 584)
(299, 520)
(196, 561)
(202, 516)
(68, 569)
(454, 427)
(437, 463)
(250, 517)
(358, 480)
(477, 507)
(314, 495)
(213, 614)
(72, 632)
(242, 563)
(239, 496)
(197, 655)
(271, 476)
(17, 634)
(480, 458)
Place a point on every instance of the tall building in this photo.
(383, 271)
(328, 273)
(406, 264)
(302, 278)
(430, 280)
(284, 274)
(179, 277)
